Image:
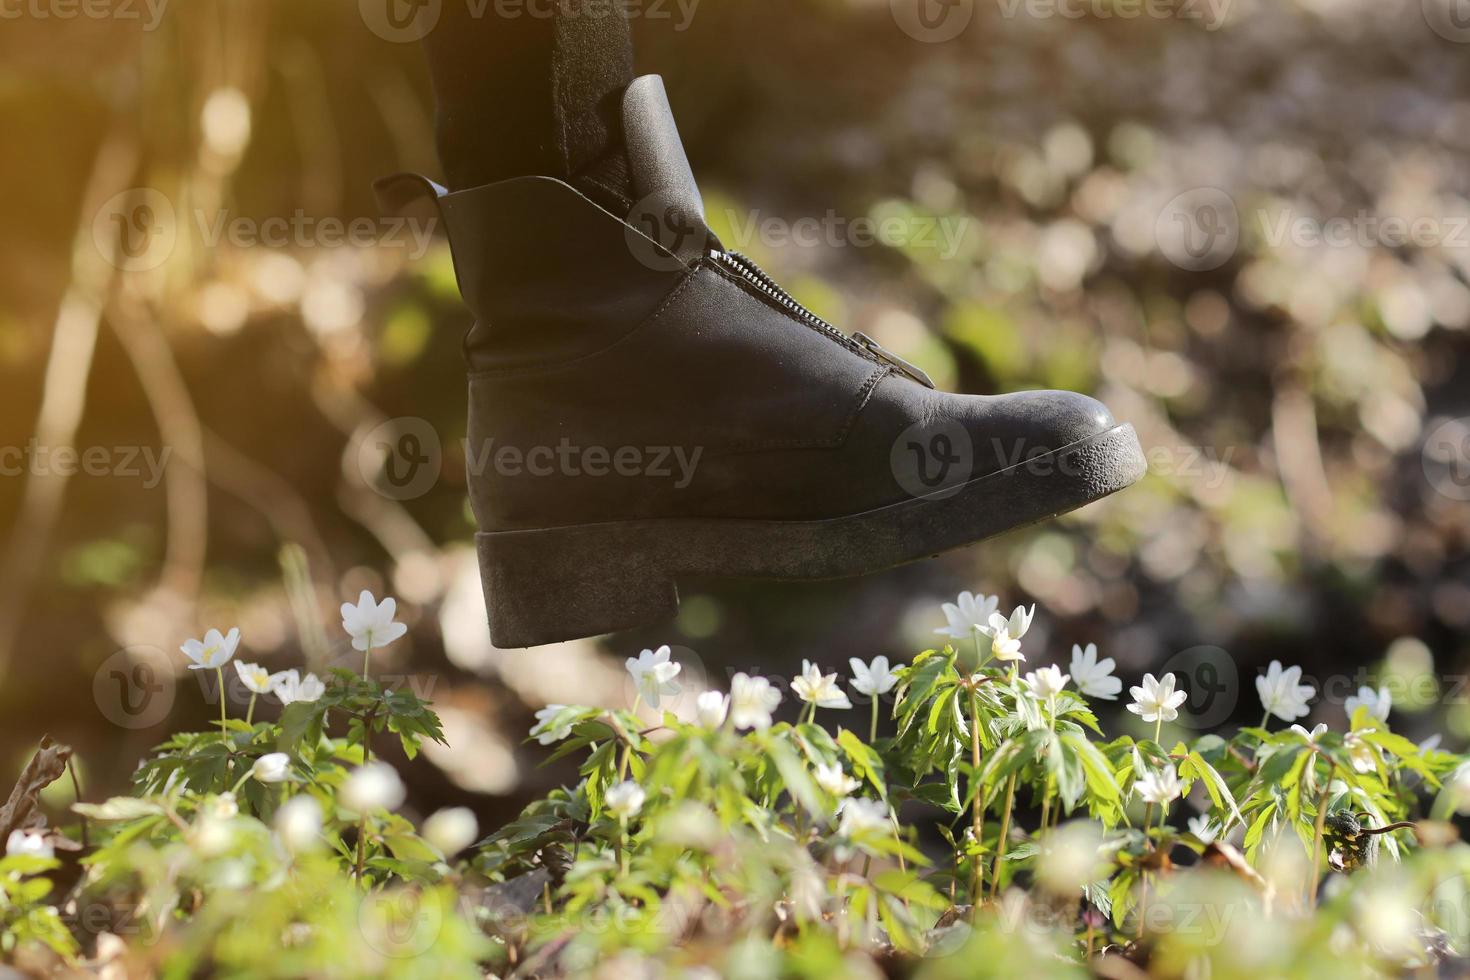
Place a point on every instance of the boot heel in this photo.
(565, 583)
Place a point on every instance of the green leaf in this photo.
(1095, 768)
(1215, 785)
(794, 777)
(1387, 740)
(409, 847)
(599, 772)
(918, 686)
(1258, 827)
(865, 761)
(1066, 767)
(118, 808)
(1274, 767)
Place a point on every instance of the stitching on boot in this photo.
(865, 394)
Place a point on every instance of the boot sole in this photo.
(564, 583)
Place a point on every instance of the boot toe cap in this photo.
(1049, 420)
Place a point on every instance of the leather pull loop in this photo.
(669, 209)
(397, 192)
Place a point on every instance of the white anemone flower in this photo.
(1282, 693)
(212, 652)
(543, 730)
(255, 677)
(625, 799)
(967, 615)
(274, 767)
(1362, 753)
(1004, 645)
(370, 623)
(711, 707)
(28, 843)
(1310, 736)
(1379, 703)
(1046, 683)
(222, 807)
(819, 689)
(1019, 621)
(375, 786)
(1459, 786)
(1156, 700)
(872, 679)
(858, 815)
(1068, 860)
(214, 825)
(299, 823)
(653, 675)
(1092, 676)
(289, 687)
(1203, 828)
(451, 830)
(1159, 786)
(752, 699)
(832, 779)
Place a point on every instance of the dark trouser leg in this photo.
(535, 89)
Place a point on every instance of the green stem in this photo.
(367, 754)
(361, 848)
(873, 726)
(1158, 728)
(1005, 830)
(1148, 815)
(367, 657)
(977, 816)
(1317, 836)
(219, 673)
(250, 711)
(628, 746)
(240, 782)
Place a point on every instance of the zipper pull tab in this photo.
(884, 354)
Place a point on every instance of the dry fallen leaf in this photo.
(23, 809)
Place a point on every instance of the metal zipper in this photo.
(858, 343)
(883, 353)
(754, 275)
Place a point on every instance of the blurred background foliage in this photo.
(1285, 396)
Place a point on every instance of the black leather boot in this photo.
(645, 407)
